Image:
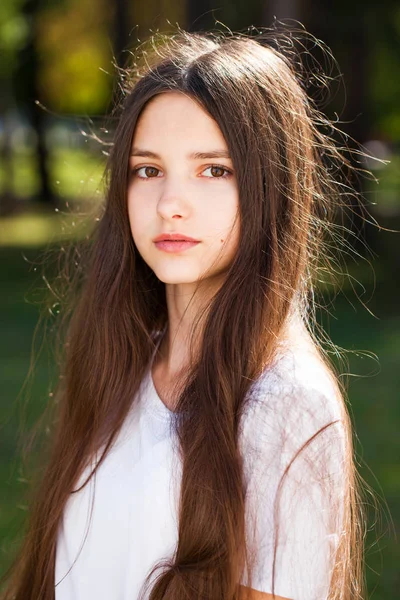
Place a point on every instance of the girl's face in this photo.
(182, 181)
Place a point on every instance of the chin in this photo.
(167, 276)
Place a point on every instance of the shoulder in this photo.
(296, 402)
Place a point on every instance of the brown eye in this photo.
(150, 171)
(218, 172)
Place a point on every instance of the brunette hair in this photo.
(254, 85)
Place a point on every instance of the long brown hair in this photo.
(254, 86)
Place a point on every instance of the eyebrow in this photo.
(192, 155)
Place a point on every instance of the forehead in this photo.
(175, 117)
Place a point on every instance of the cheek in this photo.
(219, 214)
(227, 223)
(231, 235)
(226, 236)
(137, 215)
(132, 214)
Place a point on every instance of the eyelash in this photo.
(228, 172)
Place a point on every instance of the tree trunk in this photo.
(27, 94)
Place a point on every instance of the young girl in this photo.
(202, 447)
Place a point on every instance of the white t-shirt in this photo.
(105, 548)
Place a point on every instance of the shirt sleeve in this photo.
(294, 451)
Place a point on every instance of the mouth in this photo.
(172, 246)
(174, 237)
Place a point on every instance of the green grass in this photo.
(38, 226)
(373, 395)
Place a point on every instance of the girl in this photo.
(202, 447)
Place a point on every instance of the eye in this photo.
(218, 172)
(217, 169)
(148, 170)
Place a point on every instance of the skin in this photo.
(179, 193)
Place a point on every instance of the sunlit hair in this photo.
(291, 179)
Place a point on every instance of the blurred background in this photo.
(57, 77)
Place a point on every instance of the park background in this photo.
(57, 78)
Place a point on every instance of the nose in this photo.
(173, 202)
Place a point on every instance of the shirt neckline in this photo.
(153, 402)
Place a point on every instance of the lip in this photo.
(175, 245)
(171, 237)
